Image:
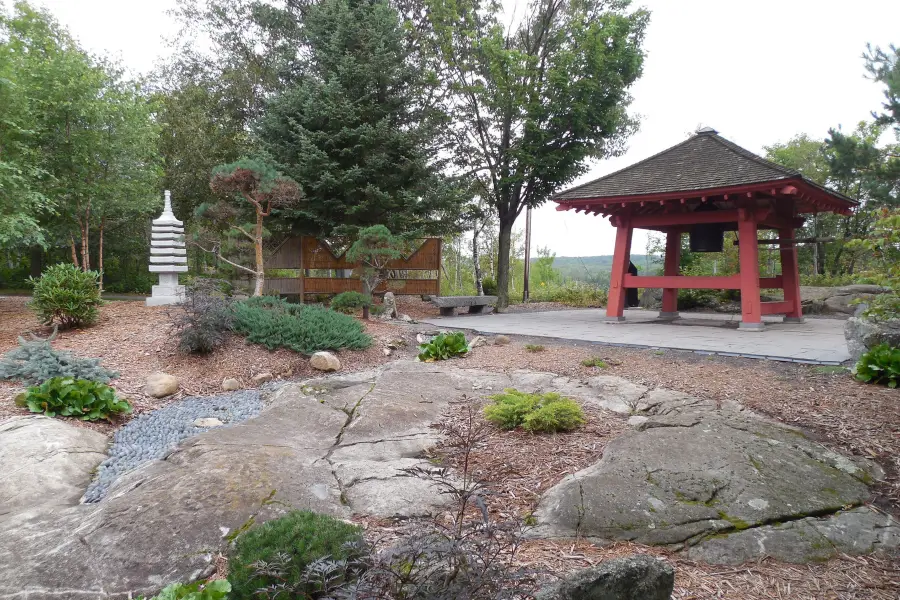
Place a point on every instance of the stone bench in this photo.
(449, 304)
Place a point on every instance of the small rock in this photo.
(208, 422)
(477, 341)
(386, 351)
(160, 384)
(423, 338)
(261, 378)
(502, 340)
(629, 578)
(325, 361)
(396, 344)
(636, 421)
(406, 319)
(229, 384)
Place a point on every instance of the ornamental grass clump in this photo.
(275, 557)
(537, 413)
(881, 364)
(69, 397)
(35, 361)
(66, 295)
(275, 323)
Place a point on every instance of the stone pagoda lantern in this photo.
(167, 257)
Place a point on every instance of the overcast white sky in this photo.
(759, 72)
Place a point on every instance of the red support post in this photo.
(751, 317)
(670, 269)
(615, 306)
(790, 275)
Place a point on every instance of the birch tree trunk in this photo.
(100, 252)
(479, 290)
(74, 251)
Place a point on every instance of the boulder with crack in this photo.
(692, 474)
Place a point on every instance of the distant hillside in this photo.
(595, 269)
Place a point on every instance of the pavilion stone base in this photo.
(612, 319)
(751, 326)
(167, 292)
(794, 320)
(668, 316)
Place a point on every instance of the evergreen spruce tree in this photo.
(354, 129)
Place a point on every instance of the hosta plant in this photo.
(880, 364)
(538, 413)
(444, 346)
(69, 397)
(214, 590)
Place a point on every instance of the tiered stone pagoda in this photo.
(167, 257)
(704, 187)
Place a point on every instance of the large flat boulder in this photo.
(45, 462)
(690, 474)
(339, 445)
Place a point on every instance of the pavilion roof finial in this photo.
(706, 129)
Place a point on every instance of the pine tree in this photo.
(354, 131)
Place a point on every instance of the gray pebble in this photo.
(151, 436)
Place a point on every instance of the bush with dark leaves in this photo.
(205, 319)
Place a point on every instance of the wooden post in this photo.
(671, 266)
(615, 307)
(300, 277)
(790, 276)
(751, 317)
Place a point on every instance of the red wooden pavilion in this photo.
(705, 186)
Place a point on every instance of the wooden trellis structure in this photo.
(321, 270)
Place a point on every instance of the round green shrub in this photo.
(537, 413)
(70, 397)
(301, 537)
(66, 295)
(489, 286)
(348, 302)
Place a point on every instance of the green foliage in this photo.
(293, 541)
(206, 317)
(275, 323)
(545, 96)
(572, 293)
(489, 286)
(444, 346)
(66, 295)
(356, 130)
(595, 361)
(214, 590)
(537, 413)
(348, 302)
(534, 348)
(70, 397)
(880, 364)
(374, 249)
(689, 299)
(35, 361)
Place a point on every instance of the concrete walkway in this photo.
(818, 341)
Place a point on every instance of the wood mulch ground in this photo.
(137, 340)
(839, 412)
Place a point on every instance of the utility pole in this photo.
(525, 290)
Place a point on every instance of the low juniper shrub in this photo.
(275, 323)
(594, 361)
(66, 295)
(205, 317)
(538, 413)
(881, 364)
(281, 558)
(69, 397)
(35, 361)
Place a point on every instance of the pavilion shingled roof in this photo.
(704, 161)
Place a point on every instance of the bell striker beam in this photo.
(670, 268)
(751, 309)
(615, 306)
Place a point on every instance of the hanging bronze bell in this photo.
(707, 237)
